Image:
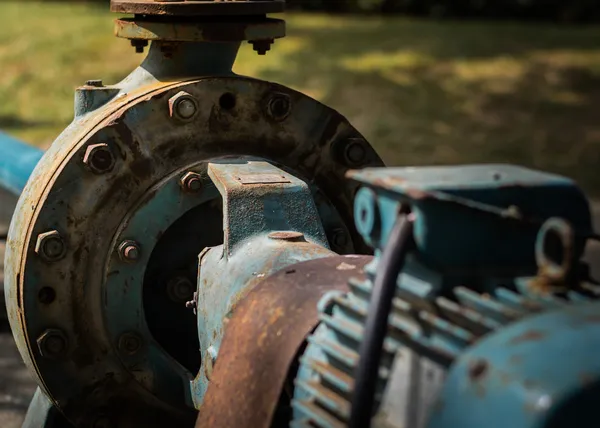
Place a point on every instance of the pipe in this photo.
(17, 161)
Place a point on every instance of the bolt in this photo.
(99, 158)
(355, 152)
(52, 343)
(50, 246)
(94, 83)
(182, 106)
(193, 304)
(262, 46)
(130, 343)
(339, 238)
(139, 45)
(180, 289)
(279, 106)
(287, 236)
(191, 182)
(129, 251)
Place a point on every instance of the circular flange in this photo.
(113, 359)
(210, 31)
(197, 8)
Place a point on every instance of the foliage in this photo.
(423, 92)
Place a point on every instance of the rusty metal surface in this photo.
(197, 8)
(231, 31)
(258, 350)
(232, 119)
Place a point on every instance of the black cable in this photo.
(392, 260)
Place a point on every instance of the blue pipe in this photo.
(17, 161)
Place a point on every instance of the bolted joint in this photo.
(50, 246)
(183, 106)
(191, 182)
(99, 158)
(139, 45)
(130, 343)
(52, 343)
(262, 46)
(129, 251)
(180, 289)
(279, 106)
(355, 152)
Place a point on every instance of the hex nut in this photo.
(52, 343)
(183, 106)
(191, 182)
(99, 158)
(50, 246)
(129, 251)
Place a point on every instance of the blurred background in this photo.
(426, 81)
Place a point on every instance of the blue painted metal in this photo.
(270, 221)
(17, 161)
(540, 372)
(485, 257)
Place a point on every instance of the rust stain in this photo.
(477, 370)
(529, 336)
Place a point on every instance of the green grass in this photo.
(422, 92)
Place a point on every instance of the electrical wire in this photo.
(400, 242)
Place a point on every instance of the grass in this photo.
(423, 92)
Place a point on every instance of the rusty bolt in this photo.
(339, 238)
(52, 343)
(191, 182)
(355, 152)
(99, 158)
(193, 304)
(129, 251)
(182, 106)
(180, 289)
(262, 46)
(287, 236)
(279, 106)
(130, 343)
(50, 246)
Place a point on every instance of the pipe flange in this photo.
(198, 8)
(200, 31)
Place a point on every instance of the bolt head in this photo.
(52, 343)
(183, 106)
(339, 238)
(279, 106)
(50, 246)
(191, 182)
(180, 289)
(129, 251)
(130, 343)
(355, 152)
(99, 158)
